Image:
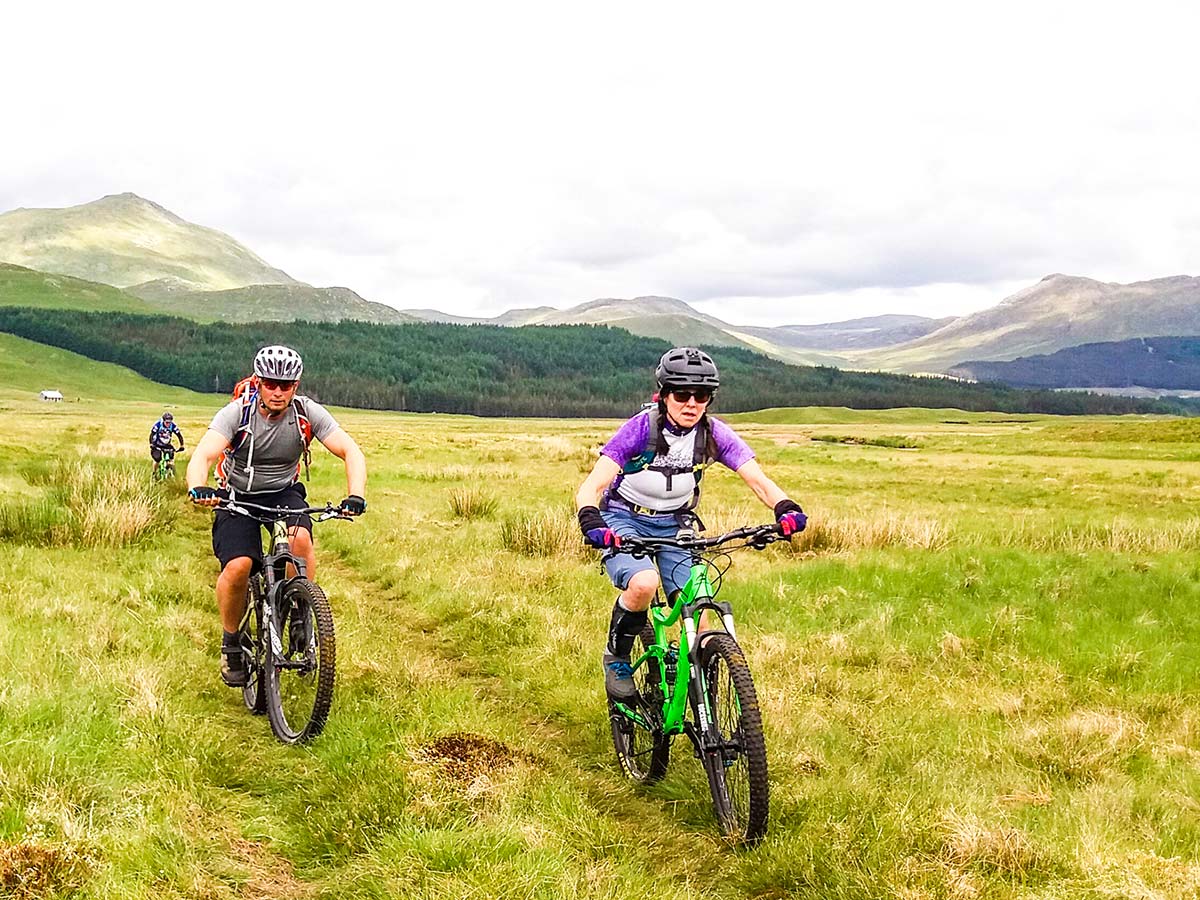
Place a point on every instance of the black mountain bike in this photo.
(287, 632)
(703, 673)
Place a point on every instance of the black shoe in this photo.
(618, 679)
(233, 667)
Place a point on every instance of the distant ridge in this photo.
(1059, 311)
(1161, 363)
(267, 302)
(123, 240)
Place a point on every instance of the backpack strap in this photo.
(306, 436)
(656, 444)
(249, 398)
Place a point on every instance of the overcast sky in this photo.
(768, 163)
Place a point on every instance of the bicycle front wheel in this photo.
(254, 649)
(299, 680)
(643, 754)
(735, 759)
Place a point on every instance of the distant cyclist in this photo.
(162, 437)
(647, 483)
(260, 439)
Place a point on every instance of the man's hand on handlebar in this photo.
(353, 505)
(204, 496)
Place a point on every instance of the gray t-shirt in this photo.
(268, 456)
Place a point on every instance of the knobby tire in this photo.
(644, 755)
(737, 767)
(299, 699)
(254, 649)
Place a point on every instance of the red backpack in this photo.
(246, 391)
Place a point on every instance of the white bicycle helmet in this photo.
(279, 363)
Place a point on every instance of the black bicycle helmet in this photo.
(684, 367)
(167, 417)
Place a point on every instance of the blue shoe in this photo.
(618, 679)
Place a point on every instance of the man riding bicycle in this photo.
(258, 442)
(162, 437)
(647, 483)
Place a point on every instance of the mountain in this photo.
(1166, 363)
(677, 322)
(854, 334)
(1059, 311)
(123, 240)
(267, 302)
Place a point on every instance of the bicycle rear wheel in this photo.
(644, 755)
(299, 680)
(737, 766)
(254, 649)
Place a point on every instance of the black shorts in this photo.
(234, 535)
(157, 452)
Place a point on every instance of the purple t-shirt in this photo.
(630, 440)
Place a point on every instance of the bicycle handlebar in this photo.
(273, 513)
(756, 536)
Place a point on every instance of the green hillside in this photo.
(20, 286)
(27, 368)
(560, 371)
(268, 303)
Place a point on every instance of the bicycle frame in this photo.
(275, 578)
(695, 598)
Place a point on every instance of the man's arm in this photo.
(204, 457)
(344, 448)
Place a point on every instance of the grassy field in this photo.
(978, 669)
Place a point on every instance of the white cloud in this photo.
(769, 162)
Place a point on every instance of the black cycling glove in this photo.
(203, 493)
(354, 504)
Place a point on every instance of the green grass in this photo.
(27, 368)
(20, 286)
(977, 670)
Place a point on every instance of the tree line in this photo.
(488, 370)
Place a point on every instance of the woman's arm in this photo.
(596, 483)
(764, 488)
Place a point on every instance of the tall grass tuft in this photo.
(472, 503)
(552, 532)
(967, 841)
(89, 503)
(870, 531)
(1115, 537)
(30, 871)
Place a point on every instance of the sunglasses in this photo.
(702, 396)
(272, 385)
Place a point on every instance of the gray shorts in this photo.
(674, 566)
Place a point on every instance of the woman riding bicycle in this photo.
(647, 482)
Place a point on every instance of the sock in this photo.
(623, 628)
(230, 640)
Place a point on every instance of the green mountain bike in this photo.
(287, 631)
(164, 469)
(698, 683)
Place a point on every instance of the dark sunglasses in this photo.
(272, 385)
(702, 396)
